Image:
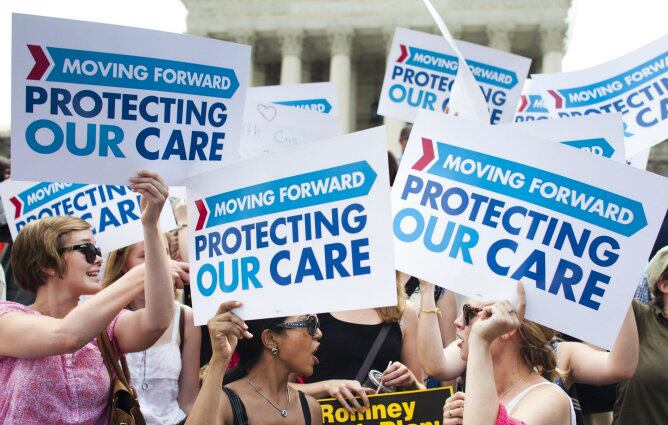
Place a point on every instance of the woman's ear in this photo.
(268, 340)
(662, 285)
(49, 272)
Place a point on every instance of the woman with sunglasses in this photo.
(50, 366)
(258, 391)
(564, 362)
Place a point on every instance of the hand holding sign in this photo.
(399, 375)
(226, 329)
(453, 409)
(154, 193)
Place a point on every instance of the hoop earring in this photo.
(274, 351)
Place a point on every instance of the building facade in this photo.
(346, 41)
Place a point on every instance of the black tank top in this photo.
(344, 346)
(239, 409)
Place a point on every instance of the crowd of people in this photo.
(505, 369)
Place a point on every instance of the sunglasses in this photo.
(311, 323)
(469, 313)
(88, 249)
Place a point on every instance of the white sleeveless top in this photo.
(155, 375)
(510, 407)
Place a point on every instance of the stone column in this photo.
(500, 36)
(340, 43)
(552, 46)
(249, 38)
(291, 41)
(392, 125)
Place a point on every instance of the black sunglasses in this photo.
(311, 323)
(88, 249)
(470, 312)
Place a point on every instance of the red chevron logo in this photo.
(203, 213)
(558, 100)
(427, 155)
(17, 205)
(523, 103)
(404, 53)
(41, 62)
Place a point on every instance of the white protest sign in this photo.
(476, 208)
(318, 97)
(112, 211)
(94, 103)
(294, 232)
(270, 128)
(635, 85)
(531, 106)
(602, 135)
(421, 69)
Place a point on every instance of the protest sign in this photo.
(635, 85)
(311, 223)
(421, 69)
(476, 208)
(94, 103)
(317, 97)
(531, 106)
(112, 211)
(602, 135)
(270, 128)
(402, 408)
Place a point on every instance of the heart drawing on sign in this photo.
(268, 112)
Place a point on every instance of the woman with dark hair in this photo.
(257, 391)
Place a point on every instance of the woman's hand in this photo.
(154, 193)
(179, 272)
(500, 317)
(226, 329)
(343, 389)
(398, 375)
(453, 409)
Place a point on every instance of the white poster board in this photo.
(296, 232)
(602, 135)
(114, 100)
(421, 70)
(270, 128)
(112, 211)
(635, 85)
(476, 208)
(317, 97)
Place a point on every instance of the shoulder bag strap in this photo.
(111, 359)
(373, 352)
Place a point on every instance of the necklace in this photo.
(514, 385)
(283, 412)
(144, 385)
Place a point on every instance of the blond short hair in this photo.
(38, 246)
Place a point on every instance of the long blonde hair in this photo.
(395, 312)
(536, 349)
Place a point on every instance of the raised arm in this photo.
(589, 365)
(29, 336)
(442, 364)
(189, 378)
(140, 329)
(225, 329)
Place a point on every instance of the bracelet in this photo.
(181, 226)
(431, 310)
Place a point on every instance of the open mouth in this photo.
(459, 340)
(92, 274)
(315, 359)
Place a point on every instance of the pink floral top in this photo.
(502, 418)
(66, 389)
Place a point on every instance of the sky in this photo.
(602, 29)
(135, 13)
